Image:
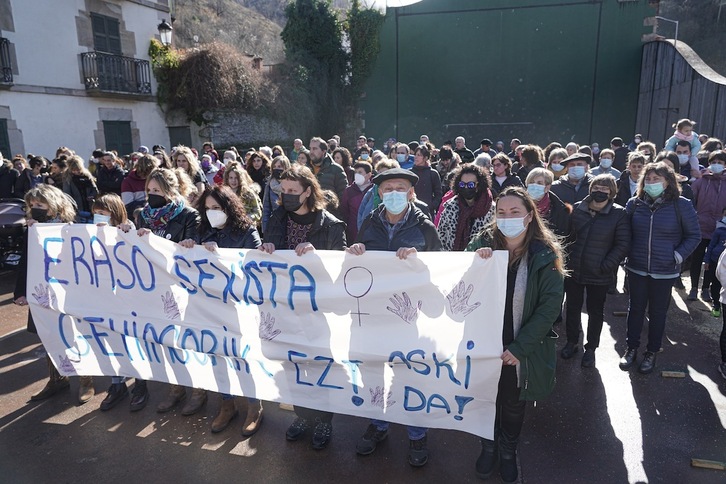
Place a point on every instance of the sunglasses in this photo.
(467, 184)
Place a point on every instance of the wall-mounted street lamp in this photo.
(165, 32)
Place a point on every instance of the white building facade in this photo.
(77, 73)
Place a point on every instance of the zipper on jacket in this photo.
(526, 378)
(650, 239)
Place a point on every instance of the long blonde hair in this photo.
(194, 166)
(537, 230)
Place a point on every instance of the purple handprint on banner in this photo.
(379, 397)
(45, 296)
(171, 308)
(404, 307)
(267, 329)
(459, 299)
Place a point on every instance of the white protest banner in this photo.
(416, 341)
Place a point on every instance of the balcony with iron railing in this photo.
(6, 65)
(111, 73)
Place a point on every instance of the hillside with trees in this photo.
(699, 27)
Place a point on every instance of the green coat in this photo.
(534, 345)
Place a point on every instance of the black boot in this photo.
(508, 466)
(487, 461)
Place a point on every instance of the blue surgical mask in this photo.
(654, 189)
(683, 159)
(511, 227)
(606, 163)
(395, 202)
(536, 191)
(716, 168)
(101, 219)
(556, 167)
(364, 156)
(401, 158)
(576, 172)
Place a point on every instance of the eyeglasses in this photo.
(467, 184)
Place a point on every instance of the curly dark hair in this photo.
(231, 205)
(482, 177)
(345, 156)
(265, 163)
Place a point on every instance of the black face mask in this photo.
(599, 197)
(291, 202)
(276, 173)
(156, 201)
(39, 214)
(467, 193)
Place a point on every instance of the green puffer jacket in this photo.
(534, 345)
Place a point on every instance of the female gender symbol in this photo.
(358, 282)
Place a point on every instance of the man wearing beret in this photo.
(396, 225)
(575, 185)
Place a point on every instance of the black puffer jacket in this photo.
(183, 226)
(109, 181)
(231, 238)
(570, 193)
(326, 233)
(417, 231)
(596, 245)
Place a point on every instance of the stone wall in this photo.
(227, 128)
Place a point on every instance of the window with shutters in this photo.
(118, 136)
(106, 34)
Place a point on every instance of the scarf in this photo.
(683, 137)
(158, 218)
(467, 215)
(544, 206)
(520, 290)
(275, 186)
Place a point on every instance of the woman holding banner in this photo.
(302, 224)
(225, 224)
(535, 288)
(167, 215)
(47, 204)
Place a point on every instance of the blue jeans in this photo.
(414, 433)
(655, 294)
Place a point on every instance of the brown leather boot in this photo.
(194, 404)
(176, 395)
(55, 383)
(227, 413)
(85, 389)
(254, 418)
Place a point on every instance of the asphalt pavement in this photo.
(601, 425)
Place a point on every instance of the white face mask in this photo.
(217, 218)
(511, 227)
(360, 180)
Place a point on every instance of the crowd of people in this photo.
(570, 217)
